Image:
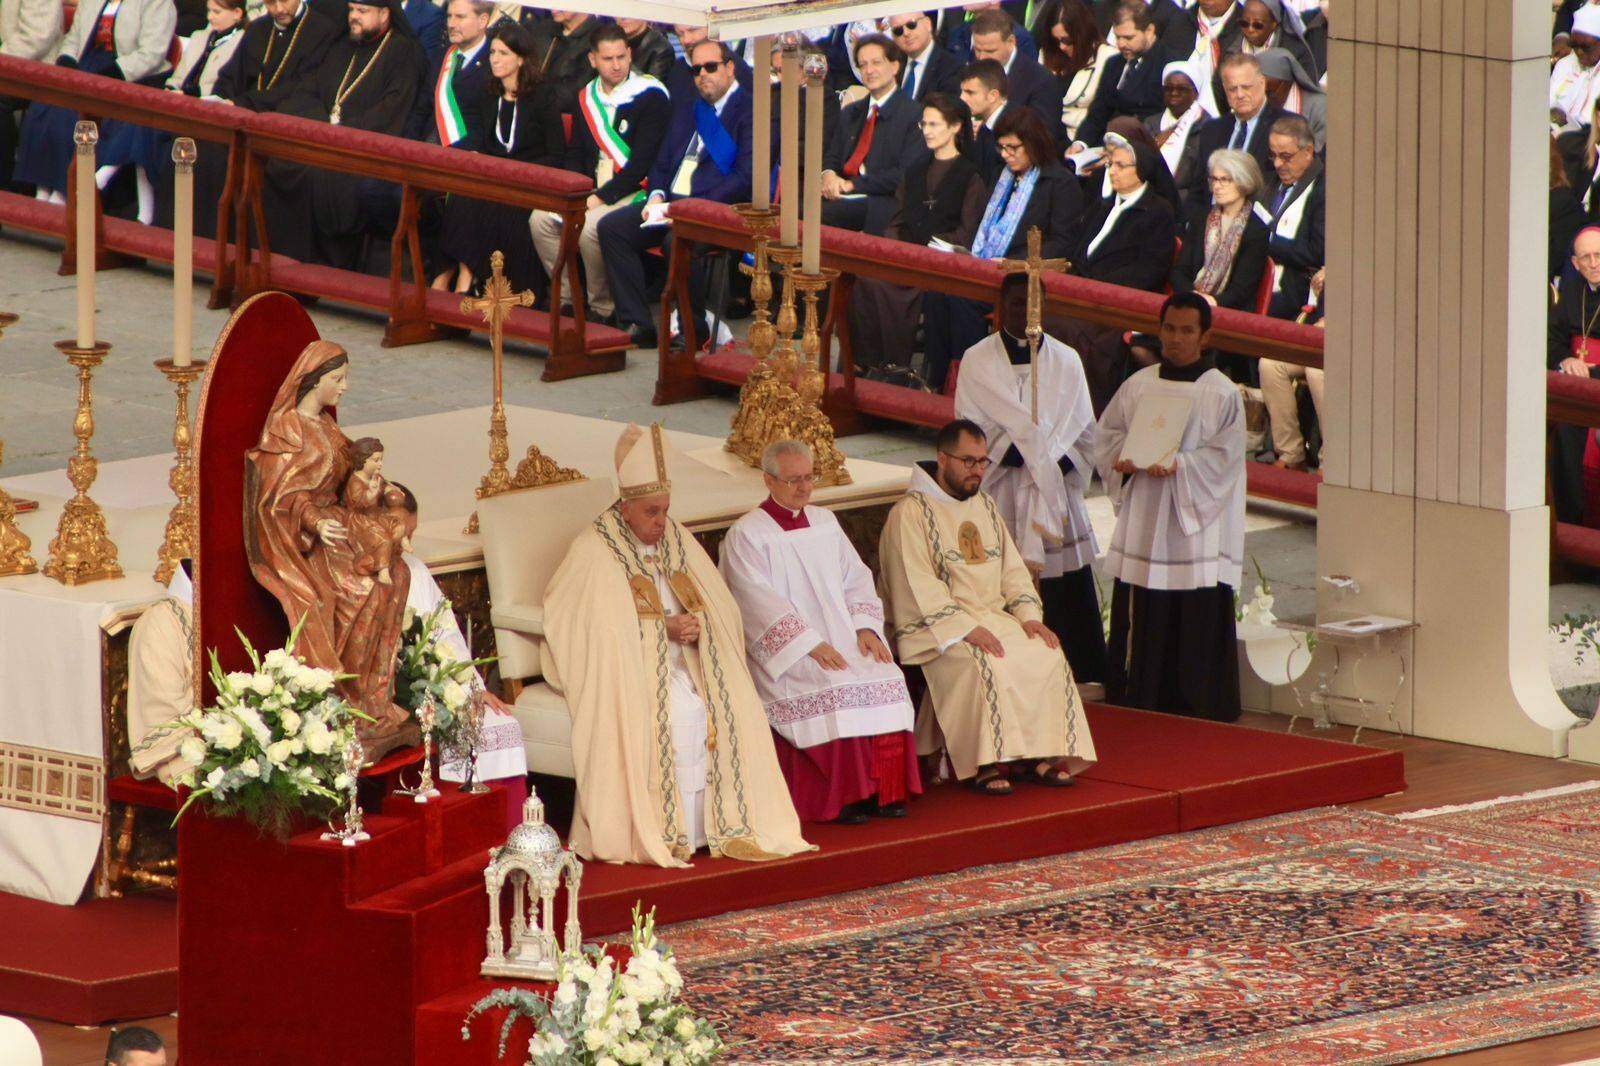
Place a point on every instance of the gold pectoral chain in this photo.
(343, 93)
(287, 52)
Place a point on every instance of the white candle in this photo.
(183, 159)
(85, 135)
(811, 243)
(761, 86)
(789, 207)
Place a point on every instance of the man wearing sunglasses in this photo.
(1294, 212)
(706, 154)
(963, 608)
(928, 68)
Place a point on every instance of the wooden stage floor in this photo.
(1438, 774)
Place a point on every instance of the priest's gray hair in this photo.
(778, 449)
(1241, 167)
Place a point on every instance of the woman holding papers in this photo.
(1170, 448)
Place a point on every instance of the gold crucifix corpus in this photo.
(1034, 266)
(494, 305)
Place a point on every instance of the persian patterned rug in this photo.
(1564, 819)
(1324, 936)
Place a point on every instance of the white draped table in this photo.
(52, 740)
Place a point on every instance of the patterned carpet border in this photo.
(1334, 935)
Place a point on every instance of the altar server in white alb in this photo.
(1040, 468)
(669, 739)
(813, 627)
(1178, 548)
(963, 608)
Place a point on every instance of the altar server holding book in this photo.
(1171, 453)
(813, 624)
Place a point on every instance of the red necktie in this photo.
(852, 166)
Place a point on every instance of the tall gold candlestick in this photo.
(813, 378)
(15, 547)
(816, 69)
(182, 527)
(789, 98)
(761, 117)
(82, 550)
(184, 155)
(784, 359)
(761, 336)
(85, 135)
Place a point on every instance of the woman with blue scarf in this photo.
(1032, 190)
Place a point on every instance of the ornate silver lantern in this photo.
(533, 862)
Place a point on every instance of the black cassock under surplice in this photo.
(319, 215)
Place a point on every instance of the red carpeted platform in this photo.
(100, 961)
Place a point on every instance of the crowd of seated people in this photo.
(1163, 145)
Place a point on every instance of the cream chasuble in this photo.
(949, 566)
(799, 588)
(604, 620)
(161, 683)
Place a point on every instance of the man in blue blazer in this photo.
(707, 155)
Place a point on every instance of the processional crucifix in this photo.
(494, 305)
(1035, 266)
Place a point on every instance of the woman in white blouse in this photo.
(1075, 51)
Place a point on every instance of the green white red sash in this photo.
(446, 108)
(600, 113)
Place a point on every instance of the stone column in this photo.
(1434, 463)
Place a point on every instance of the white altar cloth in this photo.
(50, 634)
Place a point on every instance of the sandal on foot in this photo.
(1053, 774)
(991, 781)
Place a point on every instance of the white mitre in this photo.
(641, 460)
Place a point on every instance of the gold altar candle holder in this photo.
(813, 377)
(82, 550)
(182, 529)
(760, 221)
(784, 358)
(15, 547)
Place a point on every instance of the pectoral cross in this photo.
(1035, 266)
(494, 305)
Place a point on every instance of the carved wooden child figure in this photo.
(382, 514)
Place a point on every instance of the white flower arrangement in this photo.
(427, 668)
(271, 746)
(601, 1017)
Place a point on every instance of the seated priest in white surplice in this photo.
(813, 624)
(161, 684)
(669, 738)
(963, 607)
(1039, 468)
(1178, 548)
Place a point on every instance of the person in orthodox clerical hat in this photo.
(669, 735)
(369, 80)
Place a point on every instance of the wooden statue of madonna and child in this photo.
(323, 533)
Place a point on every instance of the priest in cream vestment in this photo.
(669, 736)
(964, 608)
(161, 683)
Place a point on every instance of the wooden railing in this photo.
(243, 262)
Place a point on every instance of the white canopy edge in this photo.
(738, 19)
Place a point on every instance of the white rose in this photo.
(214, 778)
(278, 752)
(455, 697)
(250, 768)
(341, 782)
(684, 1029)
(278, 659)
(290, 722)
(192, 750)
(317, 680)
(318, 740)
(228, 735)
(555, 1043)
(605, 1060)
(633, 1053)
(263, 684)
(566, 994)
(594, 1039)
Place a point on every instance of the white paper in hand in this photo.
(655, 214)
(1156, 430)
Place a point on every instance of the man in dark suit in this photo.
(1295, 212)
(983, 90)
(955, 31)
(428, 22)
(1246, 124)
(561, 48)
(1174, 26)
(928, 67)
(1028, 83)
(877, 138)
(707, 155)
(1131, 84)
(449, 113)
(680, 79)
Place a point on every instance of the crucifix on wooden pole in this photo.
(494, 305)
(1034, 266)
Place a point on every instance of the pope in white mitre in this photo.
(813, 623)
(669, 738)
(964, 609)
